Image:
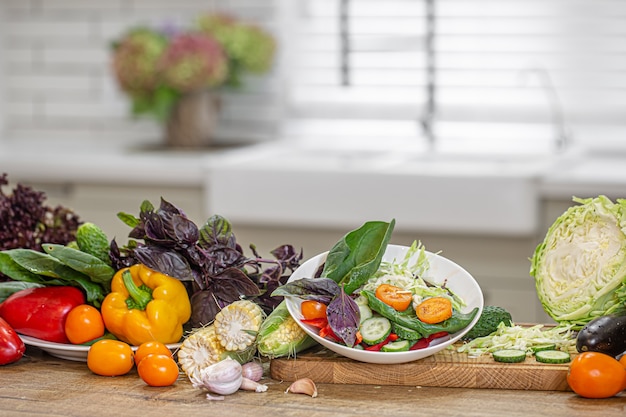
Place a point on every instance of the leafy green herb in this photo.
(356, 257)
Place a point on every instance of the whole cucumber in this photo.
(605, 334)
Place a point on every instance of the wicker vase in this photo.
(193, 121)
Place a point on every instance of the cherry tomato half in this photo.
(147, 348)
(393, 296)
(596, 375)
(312, 309)
(158, 370)
(84, 323)
(109, 357)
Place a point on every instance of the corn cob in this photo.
(280, 335)
(237, 325)
(199, 350)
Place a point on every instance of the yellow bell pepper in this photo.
(145, 305)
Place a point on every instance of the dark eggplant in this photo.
(605, 334)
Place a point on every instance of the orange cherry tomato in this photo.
(434, 310)
(84, 323)
(147, 348)
(312, 309)
(396, 297)
(109, 357)
(158, 370)
(596, 375)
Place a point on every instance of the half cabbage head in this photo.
(580, 267)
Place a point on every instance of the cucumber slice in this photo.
(375, 330)
(365, 312)
(397, 346)
(545, 346)
(509, 355)
(405, 332)
(552, 356)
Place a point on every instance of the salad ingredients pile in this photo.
(363, 302)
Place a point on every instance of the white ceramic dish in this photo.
(441, 269)
(68, 351)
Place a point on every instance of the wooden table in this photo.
(40, 384)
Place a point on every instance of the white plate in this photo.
(457, 279)
(69, 351)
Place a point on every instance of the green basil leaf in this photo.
(356, 257)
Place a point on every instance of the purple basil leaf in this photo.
(343, 317)
(234, 283)
(318, 289)
(165, 261)
(204, 307)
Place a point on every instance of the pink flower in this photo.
(193, 61)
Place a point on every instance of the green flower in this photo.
(135, 58)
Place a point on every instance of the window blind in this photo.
(513, 76)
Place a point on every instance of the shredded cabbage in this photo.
(580, 267)
(411, 275)
(522, 338)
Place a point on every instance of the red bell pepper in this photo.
(41, 312)
(12, 348)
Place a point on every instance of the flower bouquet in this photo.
(168, 73)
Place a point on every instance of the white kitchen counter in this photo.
(286, 185)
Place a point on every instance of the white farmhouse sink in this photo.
(315, 187)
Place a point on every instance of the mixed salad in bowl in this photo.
(382, 303)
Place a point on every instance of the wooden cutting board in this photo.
(444, 369)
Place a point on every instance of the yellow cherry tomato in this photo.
(109, 357)
(84, 323)
(158, 370)
(147, 348)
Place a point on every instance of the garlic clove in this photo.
(250, 385)
(303, 386)
(252, 370)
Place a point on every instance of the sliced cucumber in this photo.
(405, 332)
(509, 355)
(397, 346)
(375, 330)
(365, 311)
(544, 346)
(552, 356)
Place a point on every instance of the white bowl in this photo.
(441, 270)
(71, 352)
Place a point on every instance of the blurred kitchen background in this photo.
(473, 123)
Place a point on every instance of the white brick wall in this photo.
(55, 78)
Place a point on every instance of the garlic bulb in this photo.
(223, 377)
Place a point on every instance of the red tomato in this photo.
(313, 309)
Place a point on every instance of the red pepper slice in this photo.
(327, 333)
(320, 323)
(375, 348)
(425, 341)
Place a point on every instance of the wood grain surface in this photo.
(444, 369)
(41, 385)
